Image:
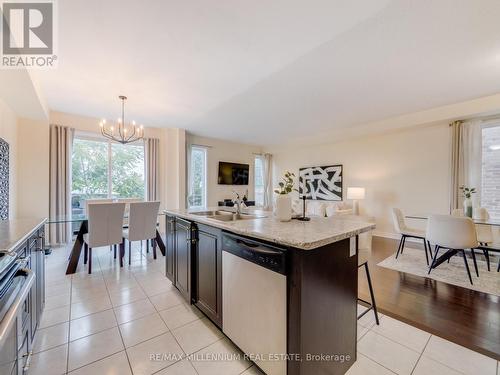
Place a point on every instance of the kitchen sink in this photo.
(213, 213)
(234, 217)
(222, 215)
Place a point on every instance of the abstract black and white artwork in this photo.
(4, 180)
(321, 183)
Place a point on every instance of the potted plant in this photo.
(467, 192)
(283, 209)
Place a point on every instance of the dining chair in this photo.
(96, 201)
(105, 227)
(88, 202)
(407, 232)
(484, 232)
(452, 233)
(127, 202)
(143, 218)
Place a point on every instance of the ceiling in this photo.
(268, 72)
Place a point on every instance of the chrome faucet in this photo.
(237, 203)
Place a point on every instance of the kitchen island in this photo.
(284, 293)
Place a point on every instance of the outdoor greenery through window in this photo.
(259, 181)
(490, 189)
(102, 169)
(198, 177)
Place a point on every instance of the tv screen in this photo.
(233, 173)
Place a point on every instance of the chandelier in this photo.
(120, 132)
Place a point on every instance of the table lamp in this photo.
(355, 194)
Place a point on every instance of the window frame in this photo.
(260, 158)
(92, 137)
(204, 198)
(490, 123)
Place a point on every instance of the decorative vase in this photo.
(468, 207)
(283, 209)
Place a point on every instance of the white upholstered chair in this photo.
(127, 202)
(143, 218)
(453, 233)
(88, 202)
(484, 232)
(105, 227)
(407, 232)
(96, 201)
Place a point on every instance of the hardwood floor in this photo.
(463, 316)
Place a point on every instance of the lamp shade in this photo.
(355, 193)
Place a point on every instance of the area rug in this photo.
(412, 261)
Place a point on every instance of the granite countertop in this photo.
(305, 235)
(14, 232)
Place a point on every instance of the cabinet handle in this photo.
(194, 240)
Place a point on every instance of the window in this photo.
(259, 181)
(198, 177)
(102, 169)
(490, 179)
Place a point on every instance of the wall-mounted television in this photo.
(233, 173)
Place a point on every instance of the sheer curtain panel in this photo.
(61, 141)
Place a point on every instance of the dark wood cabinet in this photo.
(169, 248)
(194, 264)
(37, 264)
(183, 246)
(17, 347)
(208, 273)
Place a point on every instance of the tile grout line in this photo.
(371, 359)
(114, 313)
(168, 328)
(396, 342)
(69, 323)
(444, 364)
(420, 356)
(170, 331)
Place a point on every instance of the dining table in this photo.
(478, 221)
(81, 220)
(451, 252)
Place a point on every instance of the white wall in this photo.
(219, 150)
(175, 168)
(408, 169)
(8, 131)
(33, 168)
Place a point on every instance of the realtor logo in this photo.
(28, 34)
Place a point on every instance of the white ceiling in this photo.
(272, 71)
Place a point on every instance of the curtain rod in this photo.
(482, 118)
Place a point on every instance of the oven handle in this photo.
(13, 310)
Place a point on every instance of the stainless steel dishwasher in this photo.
(254, 303)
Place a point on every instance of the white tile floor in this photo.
(112, 321)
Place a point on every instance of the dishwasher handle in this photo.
(262, 254)
(257, 248)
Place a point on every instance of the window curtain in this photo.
(188, 175)
(466, 160)
(60, 148)
(268, 177)
(152, 158)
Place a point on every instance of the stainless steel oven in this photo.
(15, 314)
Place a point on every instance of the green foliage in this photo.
(197, 178)
(127, 172)
(467, 192)
(90, 170)
(286, 186)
